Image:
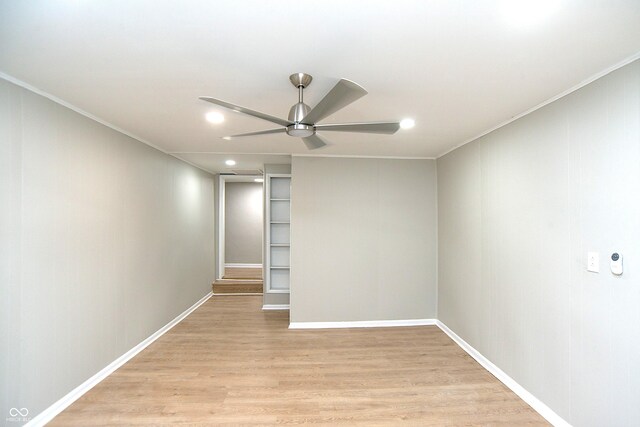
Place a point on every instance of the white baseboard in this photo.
(239, 265)
(275, 307)
(362, 324)
(529, 398)
(48, 414)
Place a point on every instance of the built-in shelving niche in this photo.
(278, 232)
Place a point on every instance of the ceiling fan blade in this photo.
(374, 127)
(314, 142)
(260, 132)
(248, 111)
(343, 93)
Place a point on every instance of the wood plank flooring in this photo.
(230, 363)
(242, 273)
(239, 281)
(230, 286)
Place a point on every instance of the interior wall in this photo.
(104, 240)
(518, 211)
(243, 222)
(363, 239)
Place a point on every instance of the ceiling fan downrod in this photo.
(300, 110)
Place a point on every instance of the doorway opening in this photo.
(240, 235)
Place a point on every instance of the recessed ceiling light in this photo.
(525, 13)
(230, 162)
(259, 180)
(214, 117)
(407, 123)
(226, 138)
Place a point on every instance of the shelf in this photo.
(280, 200)
(279, 267)
(279, 280)
(280, 245)
(280, 187)
(280, 222)
(280, 234)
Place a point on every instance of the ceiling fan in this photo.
(303, 120)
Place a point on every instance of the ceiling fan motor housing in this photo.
(298, 111)
(296, 115)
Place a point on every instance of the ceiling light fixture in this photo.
(259, 180)
(407, 123)
(230, 162)
(214, 117)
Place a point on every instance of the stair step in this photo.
(235, 286)
(242, 273)
(239, 281)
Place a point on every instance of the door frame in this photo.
(220, 219)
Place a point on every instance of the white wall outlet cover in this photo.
(593, 262)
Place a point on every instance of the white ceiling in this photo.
(458, 68)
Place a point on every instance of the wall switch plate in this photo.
(593, 262)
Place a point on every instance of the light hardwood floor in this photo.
(242, 273)
(233, 286)
(239, 281)
(232, 363)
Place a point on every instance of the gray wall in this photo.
(363, 239)
(103, 241)
(243, 222)
(518, 211)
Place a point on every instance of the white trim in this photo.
(80, 111)
(240, 265)
(358, 156)
(529, 398)
(48, 414)
(237, 153)
(580, 85)
(240, 178)
(275, 307)
(280, 291)
(220, 225)
(349, 156)
(222, 182)
(362, 324)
